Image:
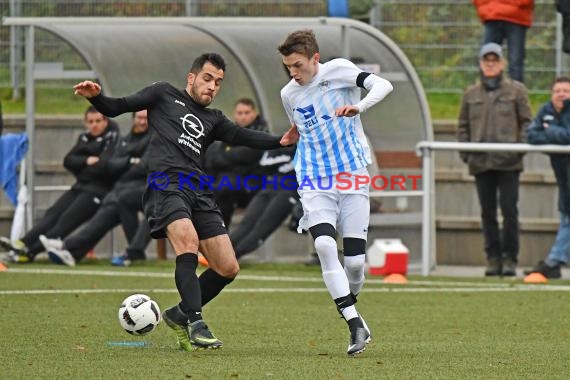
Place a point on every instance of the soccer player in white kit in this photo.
(323, 104)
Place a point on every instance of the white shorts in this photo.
(347, 209)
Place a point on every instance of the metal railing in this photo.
(425, 149)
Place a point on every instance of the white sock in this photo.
(349, 312)
(333, 273)
(354, 269)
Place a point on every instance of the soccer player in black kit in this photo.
(176, 206)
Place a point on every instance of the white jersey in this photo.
(328, 145)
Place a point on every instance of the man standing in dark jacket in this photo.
(496, 110)
(87, 161)
(552, 126)
(121, 205)
(231, 164)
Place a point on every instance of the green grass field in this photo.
(278, 322)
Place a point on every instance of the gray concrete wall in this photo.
(459, 240)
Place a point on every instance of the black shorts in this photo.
(162, 207)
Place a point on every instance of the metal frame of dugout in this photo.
(163, 48)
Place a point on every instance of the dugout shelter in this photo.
(126, 54)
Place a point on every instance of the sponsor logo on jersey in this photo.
(192, 125)
(179, 102)
(309, 118)
(193, 129)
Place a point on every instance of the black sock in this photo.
(188, 285)
(354, 323)
(344, 302)
(211, 284)
(353, 296)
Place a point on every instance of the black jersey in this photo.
(181, 129)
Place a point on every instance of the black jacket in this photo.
(94, 179)
(278, 161)
(120, 165)
(131, 177)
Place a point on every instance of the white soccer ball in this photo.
(139, 314)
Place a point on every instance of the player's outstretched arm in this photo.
(112, 107)
(87, 89)
(254, 139)
(290, 137)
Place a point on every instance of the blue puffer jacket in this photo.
(557, 132)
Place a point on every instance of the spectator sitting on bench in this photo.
(271, 205)
(230, 163)
(121, 205)
(88, 162)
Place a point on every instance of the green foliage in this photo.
(152, 8)
(49, 100)
(445, 106)
(60, 100)
(359, 8)
(441, 39)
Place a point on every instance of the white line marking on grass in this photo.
(84, 272)
(245, 277)
(242, 277)
(521, 288)
(82, 291)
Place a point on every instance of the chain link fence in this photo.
(50, 48)
(440, 37)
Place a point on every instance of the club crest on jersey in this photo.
(309, 118)
(192, 125)
(324, 85)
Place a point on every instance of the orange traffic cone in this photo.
(202, 260)
(91, 255)
(395, 278)
(535, 278)
(3, 267)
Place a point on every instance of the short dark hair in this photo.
(92, 109)
(561, 79)
(213, 58)
(302, 42)
(246, 101)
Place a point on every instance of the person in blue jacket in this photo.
(552, 126)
